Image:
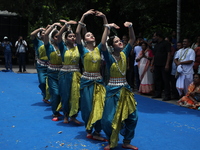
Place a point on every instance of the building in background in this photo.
(12, 25)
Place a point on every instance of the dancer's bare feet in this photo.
(75, 120)
(129, 146)
(66, 120)
(97, 136)
(107, 147)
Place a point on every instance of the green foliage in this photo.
(147, 15)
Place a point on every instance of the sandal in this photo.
(55, 119)
(89, 136)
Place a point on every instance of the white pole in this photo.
(178, 19)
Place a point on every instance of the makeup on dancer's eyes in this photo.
(70, 36)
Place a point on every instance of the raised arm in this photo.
(131, 33)
(64, 28)
(35, 32)
(81, 24)
(106, 33)
(48, 31)
(106, 30)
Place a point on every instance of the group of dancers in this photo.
(111, 107)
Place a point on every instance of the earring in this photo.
(112, 49)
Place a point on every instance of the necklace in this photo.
(58, 53)
(73, 53)
(118, 57)
(93, 55)
(122, 73)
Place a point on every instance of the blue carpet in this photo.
(25, 122)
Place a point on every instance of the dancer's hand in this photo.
(99, 14)
(68, 22)
(89, 12)
(113, 25)
(57, 24)
(128, 24)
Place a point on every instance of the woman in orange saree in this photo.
(192, 98)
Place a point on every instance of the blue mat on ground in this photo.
(25, 122)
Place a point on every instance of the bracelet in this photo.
(82, 24)
(41, 29)
(106, 25)
(130, 25)
(51, 26)
(67, 25)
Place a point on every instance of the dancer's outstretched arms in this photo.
(81, 24)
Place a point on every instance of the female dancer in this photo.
(69, 76)
(92, 89)
(37, 37)
(55, 64)
(120, 106)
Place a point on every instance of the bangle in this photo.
(82, 24)
(130, 25)
(106, 25)
(66, 25)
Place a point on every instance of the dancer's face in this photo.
(42, 34)
(71, 38)
(117, 43)
(55, 38)
(89, 37)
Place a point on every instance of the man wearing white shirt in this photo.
(21, 45)
(184, 60)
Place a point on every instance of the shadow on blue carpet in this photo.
(25, 122)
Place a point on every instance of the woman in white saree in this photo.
(146, 76)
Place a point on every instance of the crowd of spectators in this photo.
(164, 67)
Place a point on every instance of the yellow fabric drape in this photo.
(92, 61)
(75, 94)
(98, 105)
(126, 105)
(71, 56)
(42, 53)
(55, 59)
(114, 71)
(59, 107)
(47, 89)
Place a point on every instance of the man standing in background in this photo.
(7, 45)
(21, 45)
(161, 62)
